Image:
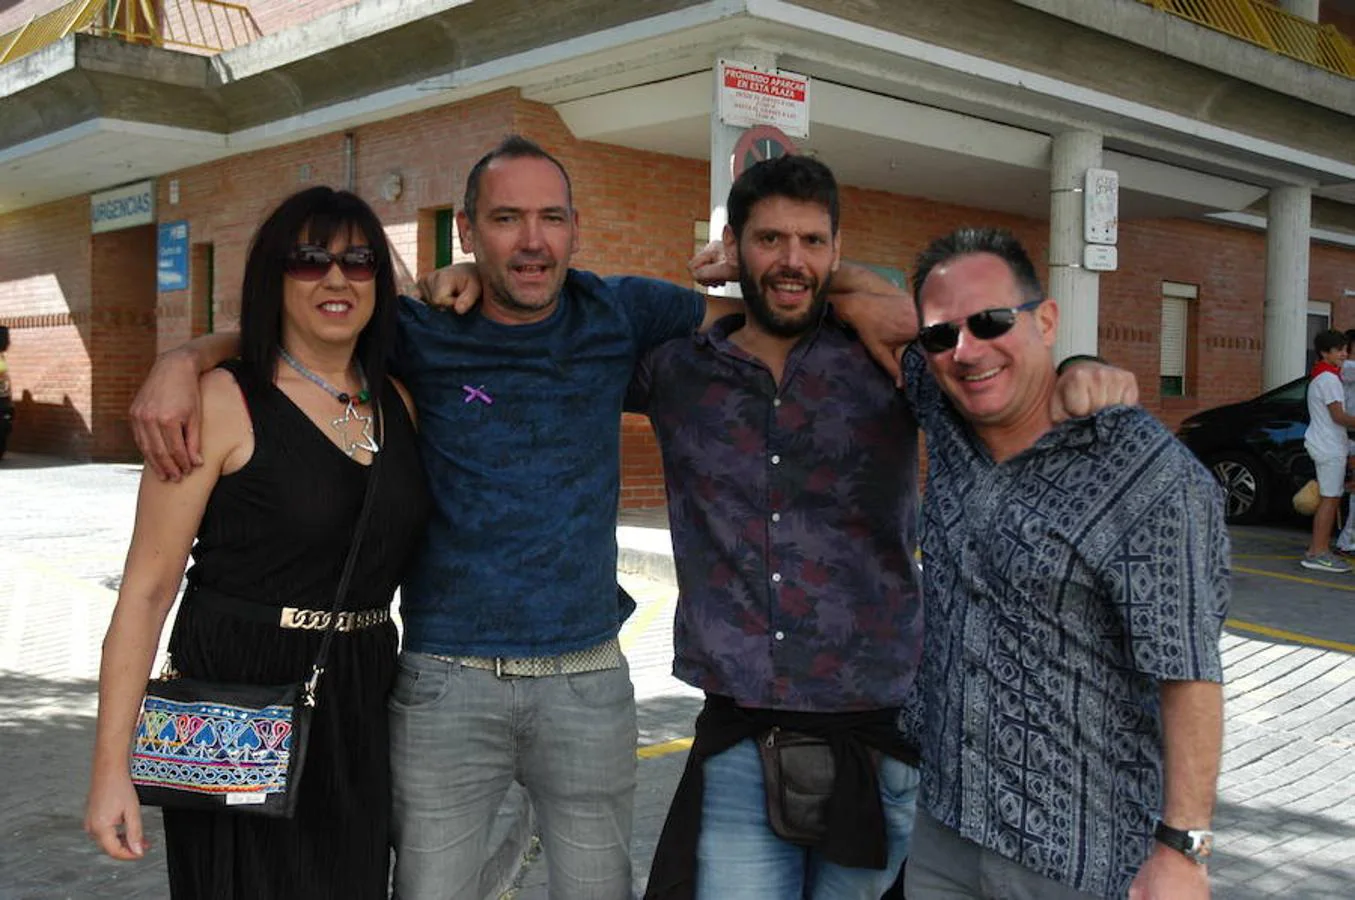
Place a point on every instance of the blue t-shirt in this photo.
(520, 427)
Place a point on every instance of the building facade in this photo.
(136, 158)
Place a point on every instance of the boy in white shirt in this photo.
(1326, 442)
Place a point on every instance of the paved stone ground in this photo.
(1286, 817)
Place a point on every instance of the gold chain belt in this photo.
(606, 655)
(318, 619)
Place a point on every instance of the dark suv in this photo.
(6, 395)
(1255, 450)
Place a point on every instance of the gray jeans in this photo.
(460, 737)
(943, 865)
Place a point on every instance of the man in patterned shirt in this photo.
(1076, 580)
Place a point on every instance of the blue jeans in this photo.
(460, 737)
(739, 857)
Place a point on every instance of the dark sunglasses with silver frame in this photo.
(986, 325)
(310, 262)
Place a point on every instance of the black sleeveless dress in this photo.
(277, 533)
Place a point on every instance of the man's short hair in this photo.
(1329, 340)
(966, 241)
(791, 176)
(1350, 336)
(515, 146)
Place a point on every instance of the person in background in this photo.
(289, 435)
(1328, 445)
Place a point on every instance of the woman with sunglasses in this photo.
(290, 432)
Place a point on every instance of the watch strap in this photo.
(1194, 843)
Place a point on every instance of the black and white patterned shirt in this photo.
(1060, 588)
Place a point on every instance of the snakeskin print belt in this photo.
(606, 655)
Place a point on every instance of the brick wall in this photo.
(122, 343)
(45, 300)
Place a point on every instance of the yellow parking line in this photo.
(1285, 576)
(677, 745)
(1291, 636)
(639, 623)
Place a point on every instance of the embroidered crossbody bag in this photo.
(240, 747)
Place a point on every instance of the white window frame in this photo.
(1174, 355)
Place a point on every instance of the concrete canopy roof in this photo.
(89, 113)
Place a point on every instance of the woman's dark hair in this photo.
(317, 214)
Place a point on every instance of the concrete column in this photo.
(722, 140)
(1288, 223)
(1076, 290)
(1304, 9)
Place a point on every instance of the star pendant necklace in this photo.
(364, 440)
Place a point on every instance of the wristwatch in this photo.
(1196, 844)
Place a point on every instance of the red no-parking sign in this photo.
(759, 143)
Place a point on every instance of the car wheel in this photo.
(1246, 486)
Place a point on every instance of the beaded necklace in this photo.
(364, 440)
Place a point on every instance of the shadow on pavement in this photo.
(46, 736)
(1318, 853)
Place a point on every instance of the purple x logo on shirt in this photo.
(477, 393)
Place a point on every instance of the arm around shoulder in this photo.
(658, 310)
(165, 413)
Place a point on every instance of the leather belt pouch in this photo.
(798, 772)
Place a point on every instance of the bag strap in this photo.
(308, 691)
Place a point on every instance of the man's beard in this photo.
(502, 292)
(760, 310)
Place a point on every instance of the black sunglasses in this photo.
(310, 262)
(986, 325)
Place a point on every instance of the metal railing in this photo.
(1268, 26)
(199, 26)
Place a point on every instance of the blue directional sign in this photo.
(172, 257)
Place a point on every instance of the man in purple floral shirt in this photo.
(791, 473)
(791, 464)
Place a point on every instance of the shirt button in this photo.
(776, 459)
(776, 517)
(780, 635)
(776, 402)
(776, 576)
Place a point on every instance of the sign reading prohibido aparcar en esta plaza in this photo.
(122, 207)
(749, 96)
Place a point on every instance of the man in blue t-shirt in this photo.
(511, 668)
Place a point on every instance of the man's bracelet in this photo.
(1077, 358)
